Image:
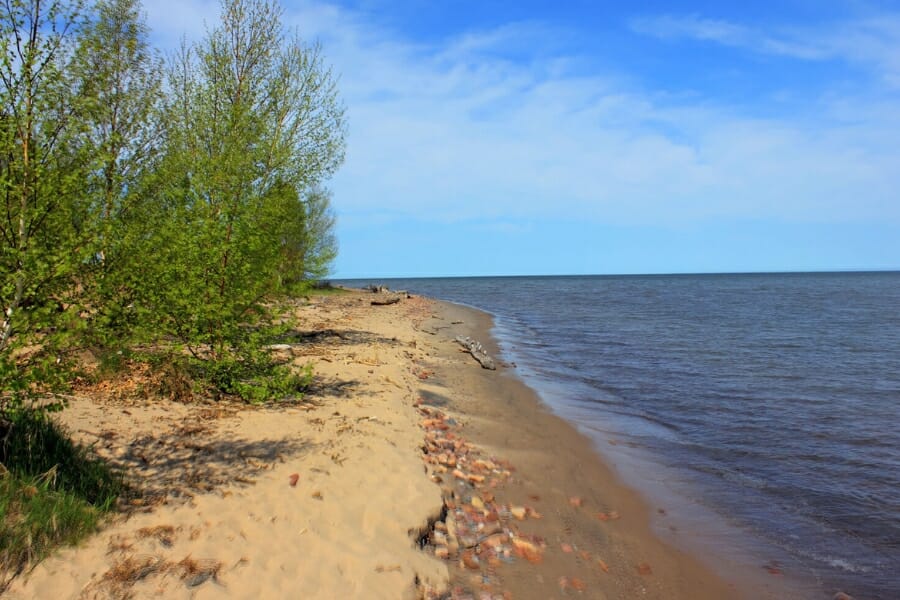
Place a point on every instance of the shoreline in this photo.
(696, 556)
(254, 492)
(679, 519)
(561, 467)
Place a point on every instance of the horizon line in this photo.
(643, 274)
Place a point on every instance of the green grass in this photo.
(52, 491)
(322, 288)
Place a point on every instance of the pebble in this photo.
(518, 512)
(470, 561)
(476, 531)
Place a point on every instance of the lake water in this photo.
(770, 401)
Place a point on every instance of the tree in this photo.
(42, 239)
(253, 122)
(308, 244)
(120, 81)
(133, 207)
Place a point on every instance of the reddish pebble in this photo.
(567, 548)
(470, 560)
(575, 501)
(644, 569)
(294, 478)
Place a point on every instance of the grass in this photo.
(322, 288)
(52, 491)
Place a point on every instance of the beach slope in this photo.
(407, 471)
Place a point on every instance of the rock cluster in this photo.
(474, 530)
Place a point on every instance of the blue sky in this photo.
(501, 138)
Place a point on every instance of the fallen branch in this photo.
(386, 301)
(477, 351)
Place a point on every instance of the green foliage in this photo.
(33, 446)
(322, 290)
(51, 491)
(255, 377)
(119, 78)
(251, 371)
(35, 518)
(252, 123)
(136, 212)
(141, 212)
(43, 234)
(308, 245)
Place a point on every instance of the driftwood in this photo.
(383, 289)
(477, 351)
(386, 301)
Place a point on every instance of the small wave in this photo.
(836, 562)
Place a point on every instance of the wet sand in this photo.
(594, 533)
(407, 471)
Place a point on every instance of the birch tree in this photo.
(119, 78)
(253, 114)
(41, 182)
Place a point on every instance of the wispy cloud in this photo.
(476, 129)
(870, 42)
(693, 27)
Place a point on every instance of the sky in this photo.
(584, 137)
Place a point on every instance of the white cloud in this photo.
(695, 27)
(872, 42)
(459, 131)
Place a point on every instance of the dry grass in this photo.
(165, 534)
(119, 580)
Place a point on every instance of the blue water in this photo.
(774, 397)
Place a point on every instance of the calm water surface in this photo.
(774, 399)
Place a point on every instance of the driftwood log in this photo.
(385, 301)
(383, 289)
(477, 351)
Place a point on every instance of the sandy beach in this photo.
(407, 471)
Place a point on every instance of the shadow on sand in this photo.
(177, 465)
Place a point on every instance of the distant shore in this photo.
(328, 498)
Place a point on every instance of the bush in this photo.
(250, 372)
